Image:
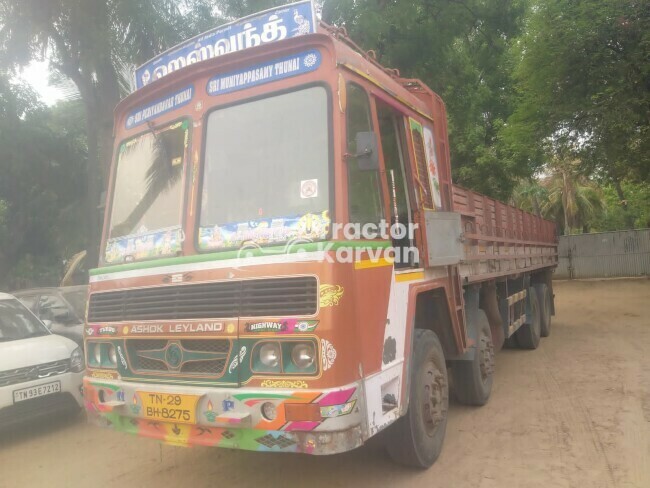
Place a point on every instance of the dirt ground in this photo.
(573, 413)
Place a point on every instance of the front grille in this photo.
(204, 367)
(30, 373)
(202, 345)
(200, 357)
(247, 298)
(146, 364)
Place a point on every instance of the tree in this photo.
(583, 75)
(529, 195)
(618, 214)
(90, 42)
(572, 200)
(41, 190)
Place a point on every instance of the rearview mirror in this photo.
(367, 155)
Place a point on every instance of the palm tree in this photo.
(529, 195)
(572, 199)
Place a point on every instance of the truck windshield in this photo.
(266, 172)
(16, 322)
(146, 210)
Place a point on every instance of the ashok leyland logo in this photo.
(174, 355)
(351, 243)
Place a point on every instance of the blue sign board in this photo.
(273, 25)
(159, 107)
(276, 69)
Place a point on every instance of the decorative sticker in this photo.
(282, 326)
(210, 414)
(274, 70)
(311, 226)
(328, 354)
(423, 179)
(104, 375)
(165, 242)
(432, 163)
(283, 384)
(308, 188)
(330, 295)
(266, 327)
(272, 25)
(337, 410)
(238, 360)
(159, 107)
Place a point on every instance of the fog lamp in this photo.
(269, 412)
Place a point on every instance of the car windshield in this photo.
(16, 322)
(146, 211)
(77, 299)
(266, 174)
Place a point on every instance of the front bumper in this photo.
(68, 399)
(232, 417)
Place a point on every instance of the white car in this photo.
(41, 373)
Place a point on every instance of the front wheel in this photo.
(416, 439)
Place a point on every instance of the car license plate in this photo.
(169, 407)
(36, 391)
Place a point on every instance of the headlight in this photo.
(303, 355)
(77, 361)
(112, 354)
(97, 354)
(270, 354)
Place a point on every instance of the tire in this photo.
(472, 380)
(545, 312)
(528, 335)
(416, 438)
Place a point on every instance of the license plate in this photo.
(169, 407)
(36, 391)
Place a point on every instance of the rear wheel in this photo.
(416, 439)
(544, 299)
(473, 379)
(528, 334)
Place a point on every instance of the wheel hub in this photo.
(486, 357)
(434, 399)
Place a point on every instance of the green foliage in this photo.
(583, 77)
(635, 208)
(42, 185)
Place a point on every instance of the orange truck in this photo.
(286, 265)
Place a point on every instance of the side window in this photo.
(395, 151)
(364, 187)
(51, 307)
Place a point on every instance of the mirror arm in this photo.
(367, 152)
